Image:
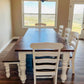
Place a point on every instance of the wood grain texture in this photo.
(41, 35)
(11, 56)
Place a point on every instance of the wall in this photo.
(63, 13)
(17, 18)
(5, 23)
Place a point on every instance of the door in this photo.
(78, 18)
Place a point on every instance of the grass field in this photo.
(77, 23)
(31, 20)
(49, 20)
(76, 27)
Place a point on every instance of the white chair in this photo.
(40, 25)
(74, 38)
(54, 58)
(67, 34)
(60, 32)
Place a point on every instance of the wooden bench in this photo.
(11, 58)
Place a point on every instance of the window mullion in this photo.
(55, 14)
(39, 12)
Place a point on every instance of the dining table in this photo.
(39, 35)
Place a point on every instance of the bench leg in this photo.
(19, 73)
(7, 68)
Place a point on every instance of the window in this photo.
(39, 12)
(48, 13)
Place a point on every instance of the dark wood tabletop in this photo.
(35, 35)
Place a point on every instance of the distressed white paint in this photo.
(66, 56)
(7, 68)
(55, 46)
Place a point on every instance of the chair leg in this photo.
(69, 63)
(55, 79)
(68, 66)
(34, 79)
(73, 67)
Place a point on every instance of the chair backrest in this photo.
(40, 25)
(43, 60)
(67, 34)
(60, 32)
(74, 38)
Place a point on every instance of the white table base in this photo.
(22, 59)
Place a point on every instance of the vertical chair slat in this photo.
(41, 57)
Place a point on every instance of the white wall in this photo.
(5, 23)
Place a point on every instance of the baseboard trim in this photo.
(8, 43)
(15, 38)
(5, 45)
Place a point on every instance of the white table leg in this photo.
(22, 67)
(64, 66)
(7, 68)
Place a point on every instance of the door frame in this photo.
(71, 10)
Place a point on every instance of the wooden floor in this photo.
(78, 78)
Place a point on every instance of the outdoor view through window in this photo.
(78, 18)
(39, 12)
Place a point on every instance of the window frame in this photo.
(39, 13)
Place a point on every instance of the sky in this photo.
(32, 7)
(78, 9)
